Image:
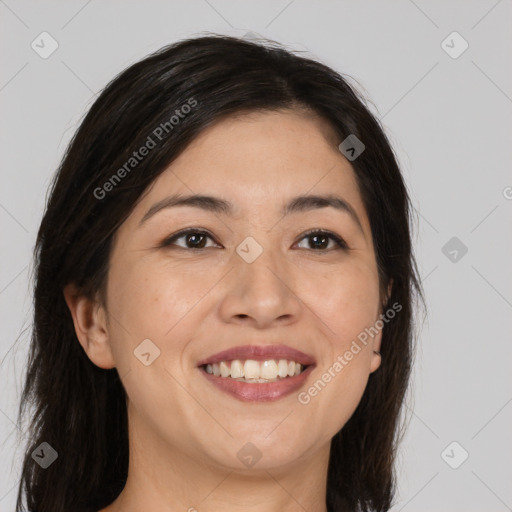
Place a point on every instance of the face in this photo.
(296, 284)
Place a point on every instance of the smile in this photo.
(253, 371)
(258, 373)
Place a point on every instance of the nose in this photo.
(260, 293)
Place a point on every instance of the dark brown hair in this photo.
(79, 408)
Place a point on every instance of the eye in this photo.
(321, 240)
(194, 239)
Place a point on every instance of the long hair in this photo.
(78, 408)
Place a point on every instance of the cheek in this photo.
(151, 299)
(160, 304)
(346, 300)
(150, 302)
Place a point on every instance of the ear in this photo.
(376, 359)
(389, 289)
(89, 318)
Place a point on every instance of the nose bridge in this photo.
(259, 266)
(260, 285)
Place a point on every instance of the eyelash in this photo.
(337, 239)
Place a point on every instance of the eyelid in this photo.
(200, 231)
(340, 242)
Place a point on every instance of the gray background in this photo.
(450, 122)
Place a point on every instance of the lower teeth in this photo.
(243, 379)
(256, 381)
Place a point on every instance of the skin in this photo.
(184, 433)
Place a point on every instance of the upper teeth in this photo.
(251, 369)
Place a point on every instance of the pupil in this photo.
(195, 237)
(322, 237)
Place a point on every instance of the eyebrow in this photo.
(217, 205)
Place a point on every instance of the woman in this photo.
(223, 294)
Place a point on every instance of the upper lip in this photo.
(260, 353)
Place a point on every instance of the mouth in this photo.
(258, 373)
(254, 372)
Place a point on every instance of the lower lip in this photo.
(259, 392)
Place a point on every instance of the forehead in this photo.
(260, 157)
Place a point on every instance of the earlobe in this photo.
(376, 359)
(90, 326)
(389, 289)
